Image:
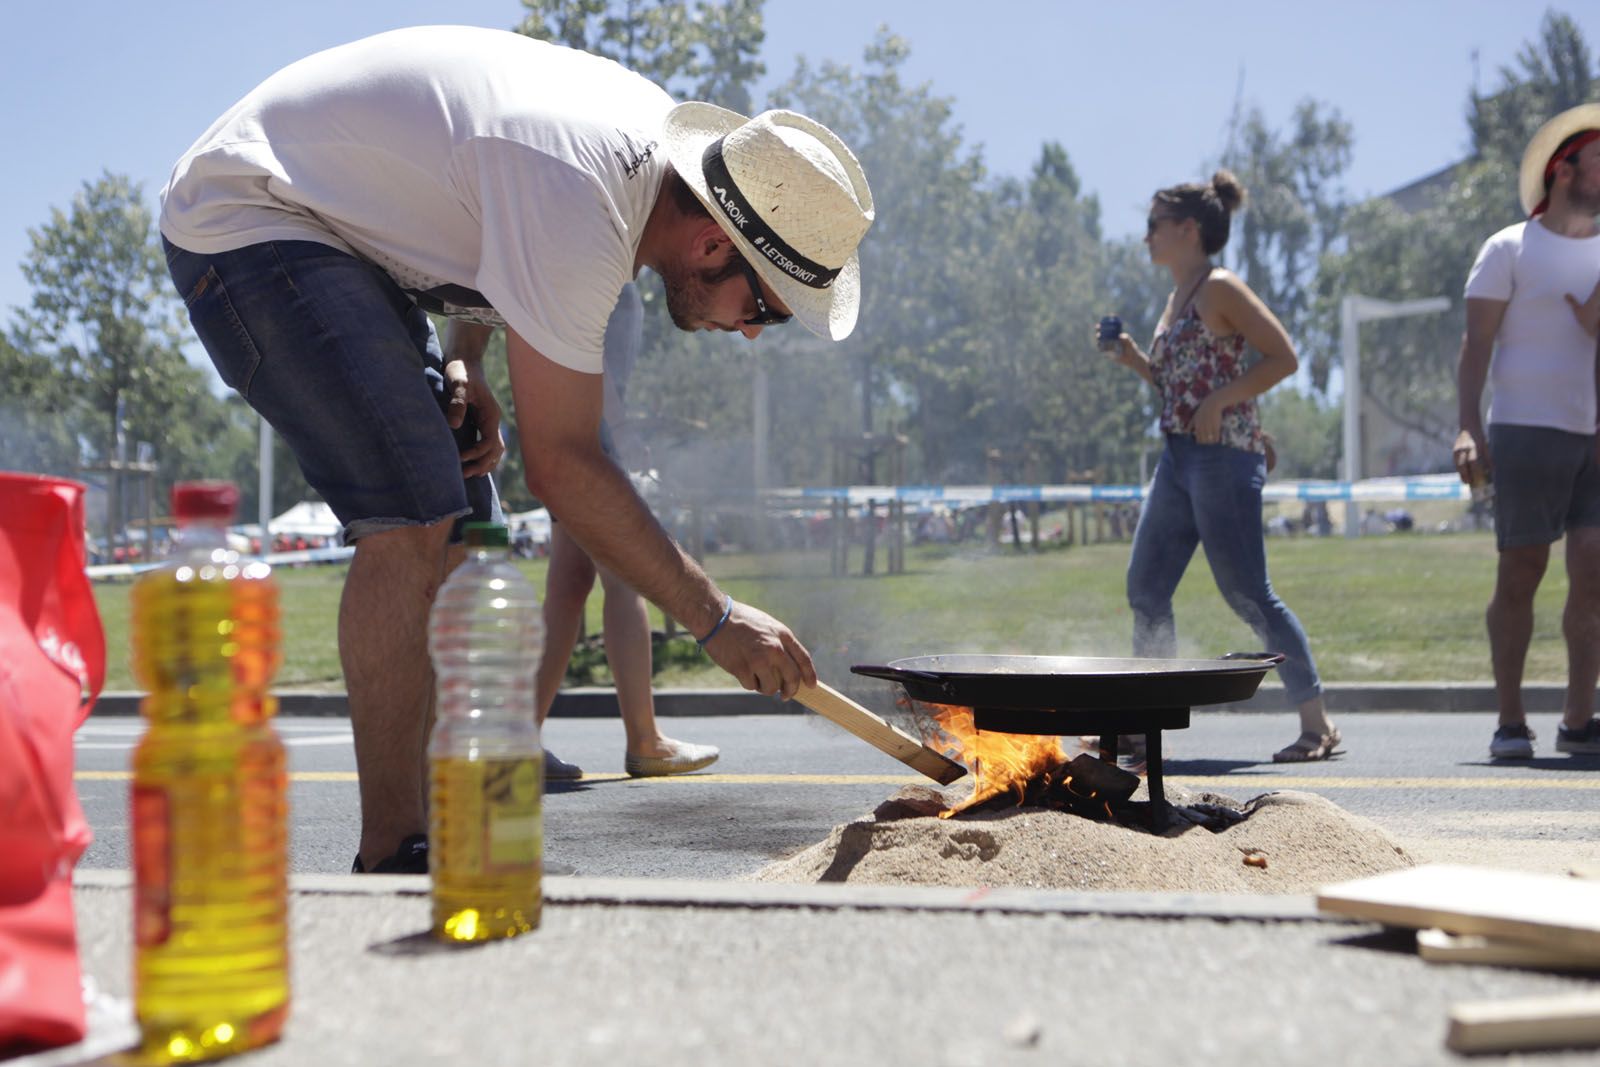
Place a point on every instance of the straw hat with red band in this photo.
(791, 196)
(1540, 160)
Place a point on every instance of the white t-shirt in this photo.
(480, 168)
(1543, 372)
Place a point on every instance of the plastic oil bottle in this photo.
(209, 804)
(485, 848)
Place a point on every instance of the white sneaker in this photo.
(1512, 742)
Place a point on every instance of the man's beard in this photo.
(687, 295)
(689, 290)
(1584, 200)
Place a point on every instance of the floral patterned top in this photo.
(1188, 363)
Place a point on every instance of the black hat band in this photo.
(736, 206)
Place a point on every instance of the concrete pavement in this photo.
(708, 973)
(677, 971)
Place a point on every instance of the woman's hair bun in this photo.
(1227, 189)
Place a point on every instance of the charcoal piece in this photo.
(1093, 775)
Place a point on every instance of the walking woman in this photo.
(1207, 486)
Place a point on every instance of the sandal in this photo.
(1308, 747)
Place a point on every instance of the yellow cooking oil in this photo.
(486, 845)
(209, 805)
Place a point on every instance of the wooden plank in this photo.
(880, 734)
(1561, 913)
(1562, 1021)
(1438, 946)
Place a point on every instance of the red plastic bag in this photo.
(52, 665)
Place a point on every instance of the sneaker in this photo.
(410, 858)
(1584, 739)
(557, 769)
(1512, 742)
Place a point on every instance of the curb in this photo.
(601, 702)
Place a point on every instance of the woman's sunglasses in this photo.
(1156, 220)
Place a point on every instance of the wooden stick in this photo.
(1541, 909)
(1562, 1021)
(875, 731)
(1437, 946)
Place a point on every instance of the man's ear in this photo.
(709, 241)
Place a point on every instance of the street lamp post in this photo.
(1353, 311)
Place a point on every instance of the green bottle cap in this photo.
(486, 535)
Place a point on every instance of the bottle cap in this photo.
(486, 535)
(204, 500)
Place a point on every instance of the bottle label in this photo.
(152, 866)
(486, 814)
(511, 827)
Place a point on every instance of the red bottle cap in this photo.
(204, 500)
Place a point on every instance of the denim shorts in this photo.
(347, 369)
(1546, 482)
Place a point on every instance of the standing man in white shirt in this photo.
(498, 180)
(1532, 335)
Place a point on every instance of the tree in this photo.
(917, 260)
(1306, 432)
(1294, 216)
(1550, 75)
(35, 428)
(103, 320)
(702, 51)
(1409, 364)
(689, 394)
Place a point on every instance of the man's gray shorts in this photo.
(1546, 482)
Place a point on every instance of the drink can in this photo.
(1110, 333)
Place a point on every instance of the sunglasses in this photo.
(1156, 220)
(764, 315)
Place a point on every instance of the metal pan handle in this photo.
(900, 674)
(1271, 659)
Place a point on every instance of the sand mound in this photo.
(1304, 840)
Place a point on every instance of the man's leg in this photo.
(567, 583)
(347, 369)
(1510, 624)
(627, 637)
(383, 647)
(649, 752)
(1580, 625)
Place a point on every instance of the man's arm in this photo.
(464, 345)
(1471, 452)
(558, 420)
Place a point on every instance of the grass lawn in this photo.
(1401, 607)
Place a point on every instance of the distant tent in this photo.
(309, 518)
(533, 525)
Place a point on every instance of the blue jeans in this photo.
(1211, 495)
(347, 369)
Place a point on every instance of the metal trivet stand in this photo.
(1107, 724)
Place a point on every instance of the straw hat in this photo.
(1530, 184)
(791, 196)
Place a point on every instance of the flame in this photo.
(1001, 763)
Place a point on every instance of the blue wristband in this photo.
(727, 609)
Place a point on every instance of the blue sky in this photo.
(1139, 93)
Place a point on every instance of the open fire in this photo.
(1033, 770)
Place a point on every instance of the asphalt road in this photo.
(785, 780)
